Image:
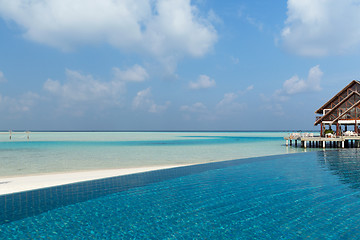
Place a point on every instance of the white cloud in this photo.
(19, 104)
(213, 17)
(155, 108)
(242, 13)
(235, 60)
(84, 88)
(297, 85)
(292, 86)
(134, 74)
(249, 88)
(174, 28)
(163, 28)
(197, 110)
(319, 27)
(259, 25)
(275, 108)
(143, 100)
(202, 82)
(226, 107)
(2, 77)
(229, 105)
(228, 98)
(198, 107)
(142, 97)
(23, 103)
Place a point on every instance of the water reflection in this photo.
(343, 163)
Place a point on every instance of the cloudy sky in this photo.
(173, 64)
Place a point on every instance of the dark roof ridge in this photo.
(341, 102)
(342, 90)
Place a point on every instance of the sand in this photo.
(19, 184)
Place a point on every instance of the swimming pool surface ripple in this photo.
(307, 195)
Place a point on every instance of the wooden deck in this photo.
(322, 142)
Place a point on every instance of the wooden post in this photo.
(337, 129)
(356, 127)
(321, 129)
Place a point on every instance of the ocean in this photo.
(58, 152)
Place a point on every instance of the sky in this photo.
(173, 64)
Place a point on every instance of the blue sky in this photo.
(173, 64)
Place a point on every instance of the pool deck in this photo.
(19, 184)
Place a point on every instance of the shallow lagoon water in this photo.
(312, 195)
(50, 152)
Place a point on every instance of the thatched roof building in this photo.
(341, 110)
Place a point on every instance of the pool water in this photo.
(294, 196)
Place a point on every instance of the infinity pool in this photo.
(295, 196)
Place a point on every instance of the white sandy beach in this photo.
(19, 184)
(57, 158)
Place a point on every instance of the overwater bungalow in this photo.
(341, 110)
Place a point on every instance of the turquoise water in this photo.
(49, 152)
(312, 195)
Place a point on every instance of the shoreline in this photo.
(16, 184)
(26, 179)
(9, 185)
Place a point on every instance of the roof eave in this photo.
(337, 105)
(322, 107)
